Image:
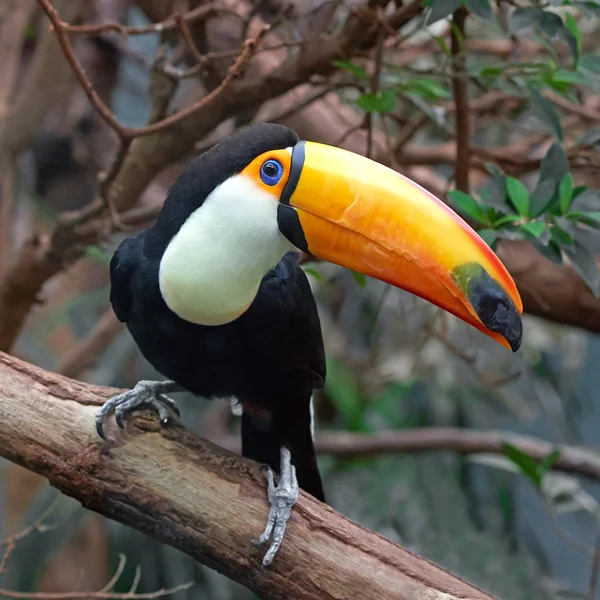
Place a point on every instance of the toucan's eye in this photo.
(271, 172)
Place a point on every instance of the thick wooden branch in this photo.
(204, 500)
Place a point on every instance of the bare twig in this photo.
(123, 132)
(188, 40)
(11, 542)
(95, 595)
(201, 13)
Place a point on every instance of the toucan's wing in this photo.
(123, 265)
(283, 322)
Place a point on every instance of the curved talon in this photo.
(100, 428)
(282, 499)
(150, 393)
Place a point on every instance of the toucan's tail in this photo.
(262, 439)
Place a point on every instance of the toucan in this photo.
(215, 297)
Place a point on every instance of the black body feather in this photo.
(270, 358)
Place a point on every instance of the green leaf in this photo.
(467, 205)
(497, 189)
(491, 72)
(563, 80)
(546, 112)
(441, 42)
(519, 195)
(481, 8)
(523, 17)
(565, 193)
(572, 26)
(506, 219)
(535, 228)
(550, 23)
(382, 102)
(489, 236)
(591, 218)
(555, 165)
(360, 278)
(560, 236)
(571, 41)
(589, 9)
(542, 196)
(527, 465)
(588, 200)
(584, 263)
(356, 70)
(551, 250)
(441, 9)
(429, 89)
(549, 461)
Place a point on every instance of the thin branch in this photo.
(573, 459)
(113, 580)
(188, 40)
(201, 13)
(11, 542)
(95, 595)
(194, 496)
(237, 69)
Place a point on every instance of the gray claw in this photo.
(281, 498)
(151, 393)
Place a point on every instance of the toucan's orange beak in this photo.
(362, 215)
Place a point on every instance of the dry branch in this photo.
(209, 503)
(573, 459)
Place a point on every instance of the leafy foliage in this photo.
(530, 467)
(559, 219)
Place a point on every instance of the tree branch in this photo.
(203, 500)
(573, 459)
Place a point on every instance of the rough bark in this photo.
(202, 499)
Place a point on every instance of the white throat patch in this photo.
(211, 270)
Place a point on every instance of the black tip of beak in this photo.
(491, 303)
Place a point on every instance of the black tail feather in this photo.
(262, 440)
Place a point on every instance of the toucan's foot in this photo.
(150, 393)
(281, 498)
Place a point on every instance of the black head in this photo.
(203, 174)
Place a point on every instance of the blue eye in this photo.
(271, 172)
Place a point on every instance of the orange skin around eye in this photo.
(252, 171)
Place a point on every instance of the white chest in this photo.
(212, 268)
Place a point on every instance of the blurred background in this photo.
(492, 106)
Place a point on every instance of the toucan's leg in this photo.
(151, 393)
(282, 498)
